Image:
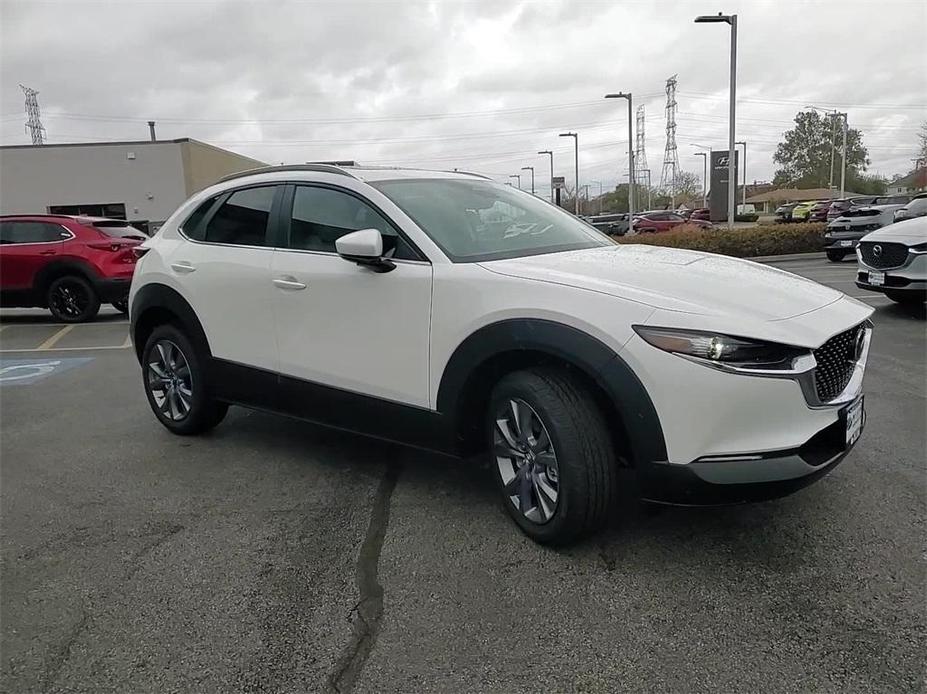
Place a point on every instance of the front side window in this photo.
(242, 219)
(474, 220)
(32, 232)
(323, 215)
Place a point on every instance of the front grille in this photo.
(836, 360)
(889, 254)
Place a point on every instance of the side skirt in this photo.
(346, 410)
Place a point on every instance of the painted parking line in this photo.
(50, 342)
(24, 372)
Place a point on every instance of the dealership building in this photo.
(143, 182)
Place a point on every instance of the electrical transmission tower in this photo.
(670, 156)
(34, 124)
(640, 153)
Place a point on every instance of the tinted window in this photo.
(473, 220)
(192, 227)
(242, 219)
(32, 232)
(322, 215)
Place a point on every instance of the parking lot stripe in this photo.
(50, 342)
(63, 349)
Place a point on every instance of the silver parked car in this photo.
(916, 208)
(843, 233)
(893, 260)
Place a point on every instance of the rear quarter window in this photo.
(193, 227)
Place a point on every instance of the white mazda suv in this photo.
(449, 312)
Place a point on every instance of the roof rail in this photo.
(472, 173)
(321, 168)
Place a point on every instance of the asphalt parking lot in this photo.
(274, 556)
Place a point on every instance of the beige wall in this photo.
(204, 164)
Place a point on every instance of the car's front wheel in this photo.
(551, 455)
(176, 384)
(836, 256)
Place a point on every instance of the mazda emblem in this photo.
(877, 251)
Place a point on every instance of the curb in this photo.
(789, 256)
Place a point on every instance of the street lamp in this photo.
(551, 154)
(518, 176)
(744, 195)
(576, 166)
(622, 95)
(704, 157)
(731, 183)
(531, 169)
(832, 113)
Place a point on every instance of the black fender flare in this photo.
(597, 360)
(61, 267)
(159, 299)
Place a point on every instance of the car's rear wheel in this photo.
(836, 256)
(176, 383)
(551, 455)
(71, 299)
(906, 297)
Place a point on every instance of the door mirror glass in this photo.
(364, 247)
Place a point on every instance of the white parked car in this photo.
(893, 260)
(449, 312)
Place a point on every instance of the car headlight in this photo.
(722, 350)
(919, 249)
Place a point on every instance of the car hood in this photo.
(677, 280)
(900, 233)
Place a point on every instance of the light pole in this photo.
(576, 167)
(731, 183)
(832, 114)
(551, 154)
(518, 176)
(601, 192)
(531, 169)
(744, 193)
(623, 95)
(843, 158)
(704, 157)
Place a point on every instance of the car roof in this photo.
(79, 218)
(362, 173)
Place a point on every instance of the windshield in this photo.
(481, 220)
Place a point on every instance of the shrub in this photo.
(766, 239)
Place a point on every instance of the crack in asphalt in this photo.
(60, 655)
(369, 609)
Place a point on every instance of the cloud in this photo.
(479, 85)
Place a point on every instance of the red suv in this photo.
(650, 222)
(69, 265)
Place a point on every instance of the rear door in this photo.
(224, 271)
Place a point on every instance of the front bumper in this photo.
(745, 478)
(910, 276)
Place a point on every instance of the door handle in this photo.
(47, 252)
(183, 267)
(288, 282)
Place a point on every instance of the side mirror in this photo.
(364, 247)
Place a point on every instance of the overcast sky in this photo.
(476, 85)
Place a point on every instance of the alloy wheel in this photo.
(70, 299)
(526, 460)
(170, 380)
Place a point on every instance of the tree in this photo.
(688, 187)
(805, 153)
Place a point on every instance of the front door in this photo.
(342, 326)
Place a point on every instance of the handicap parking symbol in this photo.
(24, 372)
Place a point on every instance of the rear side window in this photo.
(322, 215)
(193, 227)
(32, 232)
(242, 219)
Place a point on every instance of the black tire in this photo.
(122, 306)
(582, 450)
(203, 411)
(903, 297)
(72, 299)
(836, 256)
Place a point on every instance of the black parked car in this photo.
(784, 212)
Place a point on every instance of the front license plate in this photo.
(877, 279)
(854, 421)
(846, 243)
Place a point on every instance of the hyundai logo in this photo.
(877, 251)
(724, 161)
